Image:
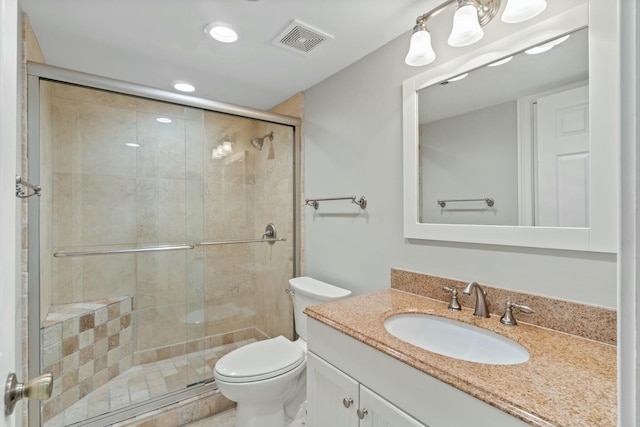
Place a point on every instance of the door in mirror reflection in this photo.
(512, 133)
(562, 161)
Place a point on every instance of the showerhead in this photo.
(259, 142)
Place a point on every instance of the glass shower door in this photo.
(144, 284)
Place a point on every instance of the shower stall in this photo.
(162, 239)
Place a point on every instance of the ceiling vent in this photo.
(300, 37)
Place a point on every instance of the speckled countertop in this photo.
(568, 380)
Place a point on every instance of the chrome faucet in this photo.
(481, 309)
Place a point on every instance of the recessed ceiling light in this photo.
(221, 32)
(132, 144)
(163, 120)
(184, 87)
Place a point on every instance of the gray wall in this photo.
(353, 145)
(471, 156)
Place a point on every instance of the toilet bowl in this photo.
(267, 379)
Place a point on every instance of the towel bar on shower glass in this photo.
(269, 236)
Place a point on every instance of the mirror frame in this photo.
(604, 104)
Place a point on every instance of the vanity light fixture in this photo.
(466, 26)
(522, 10)
(468, 20)
(420, 50)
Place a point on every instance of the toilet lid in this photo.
(259, 361)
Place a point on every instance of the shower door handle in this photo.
(39, 388)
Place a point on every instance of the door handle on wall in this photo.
(39, 388)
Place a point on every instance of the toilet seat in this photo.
(259, 361)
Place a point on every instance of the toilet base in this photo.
(265, 415)
(269, 415)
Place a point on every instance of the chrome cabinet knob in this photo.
(39, 388)
(362, 413)
(347, 402)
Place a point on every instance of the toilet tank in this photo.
(308, 291)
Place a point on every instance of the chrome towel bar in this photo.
(125, 251)
(362, 201)
(230, 242)
(488, 201)
(269, 236)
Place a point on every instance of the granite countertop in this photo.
(568, 380)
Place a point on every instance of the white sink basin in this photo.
(456, 339)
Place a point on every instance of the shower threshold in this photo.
(144, 382)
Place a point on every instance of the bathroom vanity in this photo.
(361, 375)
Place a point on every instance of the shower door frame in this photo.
(37, 72)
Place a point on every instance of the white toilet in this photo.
(267, 379)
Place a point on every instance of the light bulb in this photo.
(522, 10)
(466, 27)
(420, 50)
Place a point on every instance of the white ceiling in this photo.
(156, 42)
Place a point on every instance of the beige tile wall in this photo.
(84, 346)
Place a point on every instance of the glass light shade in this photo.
(466, 27)
(522, 10)
(420, 50)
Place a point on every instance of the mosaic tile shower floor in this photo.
(144, 382)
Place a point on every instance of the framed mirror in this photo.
(486, 158)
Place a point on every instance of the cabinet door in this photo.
(380, 413)
(332, 396)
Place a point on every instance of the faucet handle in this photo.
(507, 318)
(454, 304)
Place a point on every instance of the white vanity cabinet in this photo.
(337, 400)
(393, 393)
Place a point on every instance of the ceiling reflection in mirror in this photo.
(508, 144)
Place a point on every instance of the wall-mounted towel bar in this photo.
(20, 191)
(270, 236)
(362, 201)
(488, 201)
